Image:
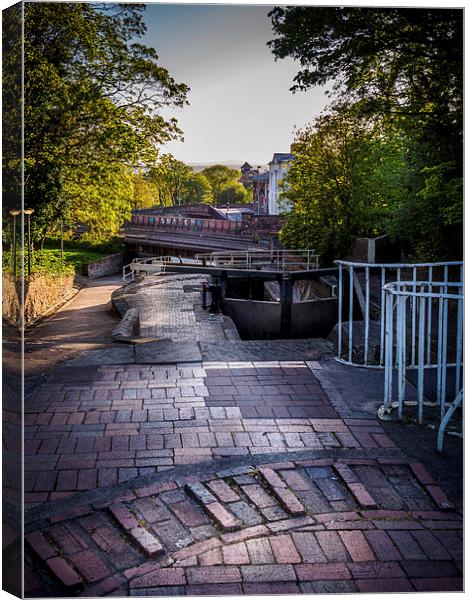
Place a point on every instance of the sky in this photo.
(240, 104)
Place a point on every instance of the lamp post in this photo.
(14, 213)
(29, 212)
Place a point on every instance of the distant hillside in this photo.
(233, 164)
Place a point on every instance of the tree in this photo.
(402, 69)
(93, 99)
(170, 176)
(234, 193)
(341, 183)
(221, 178)
(197, 189)
(144, 191)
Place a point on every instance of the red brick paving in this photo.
(384, 524)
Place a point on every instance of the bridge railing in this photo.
(185, 224)
(439, 366)
(279, 260)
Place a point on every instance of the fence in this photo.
(419, 301)
(278, 260)
(361, 294)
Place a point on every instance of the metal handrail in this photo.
(248, 259)
(415, 299)
(374, 310)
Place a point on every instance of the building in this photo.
(261, 192)
(278, 168)
(248, 174)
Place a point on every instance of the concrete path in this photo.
(83, 323)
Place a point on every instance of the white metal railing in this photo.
(361, 294)
(279, 260)
(417, 303)
(152, 264)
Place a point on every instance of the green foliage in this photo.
(93, 102)
(234, 193)
(170, 176)
(225, 184)
(399, 73)
(197, 189)
(341, 184)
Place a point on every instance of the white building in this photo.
(278, 168)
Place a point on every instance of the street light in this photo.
(14, 213)
(29, 212)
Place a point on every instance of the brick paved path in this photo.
(345, 510)
(298, 526)
(94, 428)
(221, 478)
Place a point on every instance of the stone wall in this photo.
(109, 265)
(42, 293)
(11, 290)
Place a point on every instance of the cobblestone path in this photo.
(298, 526)
(169, 307)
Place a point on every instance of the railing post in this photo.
(388, 375)
(340, 308)
(351, 310)
(401, 352)
(422, 308)
(366, 332)
(286, 294)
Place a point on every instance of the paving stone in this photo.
(209, 575)
(284, 549)
(331, 546)
(382, 545)
(222, 516)
(146, 541)
(90, 565)
(274, 513)
(308, 547)
(288, 501)
(245, 534)
(376, 570)
(258, 495)
(67, 538)
(217, 589)
(189, 514)
(292, 523)
(268, 573)
(439, 584)
(124, 517)
(196, 549)
(328, 587)
(201, 493)
(357, 546)
(223, 491)
(64, 572)
(211, 558)
(322, 572)
(40, 545)
(260, 551)
(160, 577)
(384, 585)
(246, 513)
(271, 588)
(235, 554)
